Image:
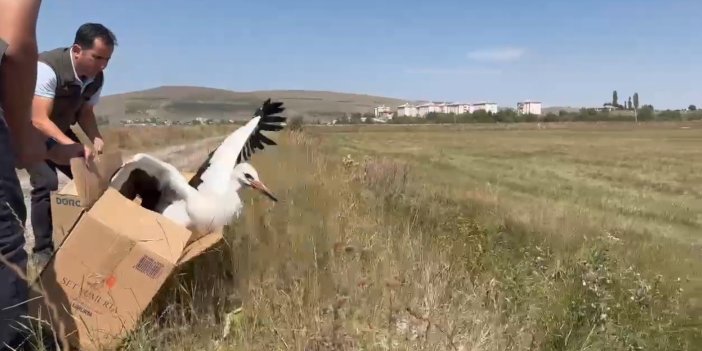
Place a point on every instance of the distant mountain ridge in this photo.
(189, 102)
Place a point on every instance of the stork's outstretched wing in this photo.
(156, 182)
(239, 146)
(268, 122)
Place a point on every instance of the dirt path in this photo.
(186, 157)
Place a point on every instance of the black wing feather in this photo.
(256, 144)
(267, 141)
(268, 122)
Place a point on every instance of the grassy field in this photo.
(453, 238)
(638, 181)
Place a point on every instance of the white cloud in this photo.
(497, 54)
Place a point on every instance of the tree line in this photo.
(613, 110)
(630, 104)
(645, 113)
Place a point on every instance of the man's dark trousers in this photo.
(44, 180)
(13, 213)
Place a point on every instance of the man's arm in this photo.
(87, 120)
(18, 76)
(41, 109)
(43, 104)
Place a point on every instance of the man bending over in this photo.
(69, 82)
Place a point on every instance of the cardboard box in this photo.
(66, 208)
(112, 262)
(69, 203)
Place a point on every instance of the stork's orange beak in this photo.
(262, 188)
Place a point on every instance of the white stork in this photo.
(210, 200)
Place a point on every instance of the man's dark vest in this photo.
(68, 99)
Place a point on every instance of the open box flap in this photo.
(92, 177)
(69, 189)
(150, 230)
(199, 246)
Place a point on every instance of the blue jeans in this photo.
(13, 213)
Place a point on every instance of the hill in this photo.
(188, 102)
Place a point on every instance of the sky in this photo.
(562, 53)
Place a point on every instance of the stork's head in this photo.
(246, 175)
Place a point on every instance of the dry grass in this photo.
(132, 139)
(444, 242)
(452, 240)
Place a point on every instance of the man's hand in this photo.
(81, 150)
(62, 154)
(87, 152)
(99, 145)
(87, 122)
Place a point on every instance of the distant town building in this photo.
(421, 110)
(425, 109)
(407, 110)
(458, 108)
(383, 112)
(529, 107)
(485, 106)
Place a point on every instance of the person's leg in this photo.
(44, 179)
(14, 290)
(65, 169)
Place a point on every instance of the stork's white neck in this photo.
(236, 185)
(237, 182)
